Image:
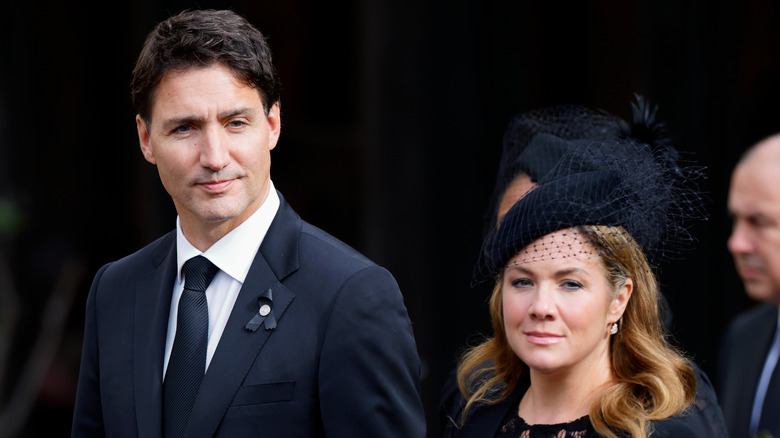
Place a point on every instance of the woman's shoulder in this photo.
(677, 426)
(686, 425)
(483, 419)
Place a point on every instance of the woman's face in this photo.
(558, 310)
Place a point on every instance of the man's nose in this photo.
(741, 239)
(214, 150)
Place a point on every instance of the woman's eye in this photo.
(571, 284)
(522, 282)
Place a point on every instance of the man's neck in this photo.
(202, 235)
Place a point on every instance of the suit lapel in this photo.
(750, 352)
(238, 347)
(757, 346)
(763, 340)
(152, 308)
(769, 419)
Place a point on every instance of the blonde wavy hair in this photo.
(652, 379)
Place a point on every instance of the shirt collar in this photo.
(235, 251)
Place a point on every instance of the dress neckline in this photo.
(516, 426)
(581, 422)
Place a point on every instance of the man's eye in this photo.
(182, 129)
(759, 222)
(237, 123)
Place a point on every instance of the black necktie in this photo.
(187, 363)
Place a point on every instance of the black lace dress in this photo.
(515, 427)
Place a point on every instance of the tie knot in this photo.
(198, 273)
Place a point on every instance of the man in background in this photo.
(748, 375)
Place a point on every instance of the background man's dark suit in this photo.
(745, 347)
(341, 325)
(754, 206)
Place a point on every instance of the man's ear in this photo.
(274, 120)
(620, 302)
(144, 139)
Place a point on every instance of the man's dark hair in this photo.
(199, 39)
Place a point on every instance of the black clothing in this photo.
(516, 427)
(703, 419)
(741, 361)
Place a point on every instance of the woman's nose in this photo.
(543, 304)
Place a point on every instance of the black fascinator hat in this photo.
(622, 176)
(534, 141)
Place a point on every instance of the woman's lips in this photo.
(542, 338)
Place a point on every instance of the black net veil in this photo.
(597, 172)
(535, 140)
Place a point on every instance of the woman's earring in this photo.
(613, 329)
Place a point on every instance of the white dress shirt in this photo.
(233, 255)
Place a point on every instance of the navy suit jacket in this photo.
(741, 361)
(341, 362)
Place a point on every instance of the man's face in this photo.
(754, 203)
(211, 142)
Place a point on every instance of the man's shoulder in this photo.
(146, 258)
(319, 241)
(305, 256)
(321, 253)
(311, 246)
(761, 315)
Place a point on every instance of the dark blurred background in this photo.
(393, 112)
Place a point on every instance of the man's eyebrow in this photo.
(761, 216)
(179, 121)
(237, 112)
